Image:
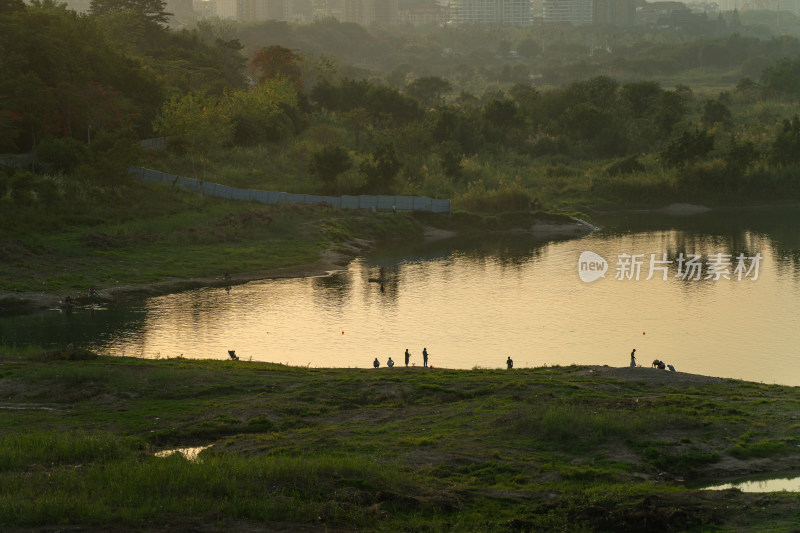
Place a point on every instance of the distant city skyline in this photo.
(622, 13)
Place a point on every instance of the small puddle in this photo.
(190, 453)
(759, 483)
(27, 407)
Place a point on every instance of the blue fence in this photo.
(16, 161)
(401, 203)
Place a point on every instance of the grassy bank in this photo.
(134, 238)
(548, 449)
(155, 234)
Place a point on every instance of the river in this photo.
(722, 300)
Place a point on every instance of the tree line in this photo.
(79, 90)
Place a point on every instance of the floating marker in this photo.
(343, 333)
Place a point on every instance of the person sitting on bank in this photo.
(390, 363)
(232, 355)
(93, 293)
(375, 363)
(509, 363)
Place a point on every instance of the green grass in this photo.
(173, 236)
(448, 450)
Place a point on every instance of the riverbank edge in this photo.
(334, 258)
(638, 387)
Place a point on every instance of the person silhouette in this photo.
(375, 363)
(408, 356)
(509, 363)
(424, 357)
(633, 358)
(390, 363)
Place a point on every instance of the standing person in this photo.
(408, 356)
(424, 357)
(375, 363)
(633, 358)
(509, 363)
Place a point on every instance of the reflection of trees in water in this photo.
(444, 259)
(332, 289)
(507, 251)
(745, 231)
(675, 250)
(82, 327)
(197, 309)
(745, 243)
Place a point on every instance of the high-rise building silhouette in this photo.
(614, 12)
(511, 12)
(576, 12)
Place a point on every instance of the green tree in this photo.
(389, 106)
(450, 156)
(785, 149)
(152, 12)
(357, 120)
(783, 77)
(397, 77)
(529, 48)
(584, 122)
(672, 107)
(739, 156)
(689, 147)
(347, 95)
(381, 167)
(9, 6)
(501, 113)
(9, 121)
(715, 112)
(204, 121)
(640, 97)
(428, 90)
(262, 113)
(61, 75)
(600, 92)
(61, 154)
(328, 164)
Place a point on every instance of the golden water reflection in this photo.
(473, 309)
(789, 483)
(189, 453)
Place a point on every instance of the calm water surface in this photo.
(760, 483)
(472, 304)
